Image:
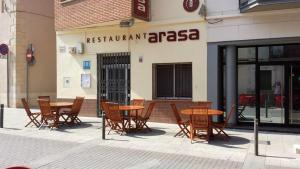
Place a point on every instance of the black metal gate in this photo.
(113, 71)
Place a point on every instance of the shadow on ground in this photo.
(233, 142)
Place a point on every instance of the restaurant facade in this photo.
(254, 60)
(155, 51)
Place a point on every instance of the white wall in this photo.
(141, 73)
(233, 25)
(166, 16)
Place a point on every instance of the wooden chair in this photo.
(47, 114)
(183, 125)
(32, 116)
(199, 122)
(116, 118)
(72, 114)
(207, 104)
(220, 127)
(142, 120)
(44, 97)
(104, 107)
(240, 111)
(102, 101)
(136, 102)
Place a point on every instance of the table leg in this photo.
(56, 118)
(129, 120)
(136, 116)
(211, 132)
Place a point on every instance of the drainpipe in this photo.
(26, 85)
(7, 78)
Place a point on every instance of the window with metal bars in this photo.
(173, 80)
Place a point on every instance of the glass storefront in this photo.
(268, 84)
(246, 93)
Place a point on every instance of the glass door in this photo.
(272, 94)
(294, 105)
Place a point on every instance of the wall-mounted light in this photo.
(127, 23)
(141, 59)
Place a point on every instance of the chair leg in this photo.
(191, 134)
(28, 123)
(78, 120)
(147, 127)
(226, 135)
(42, 124)
(177, 134)
(186, 131)
(35, 121)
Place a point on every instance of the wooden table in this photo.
(211, 112)
(131, 108)
(56, 106)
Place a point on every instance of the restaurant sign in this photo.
(191, 5)
(4, 49)
(141, 9)
(151, 37)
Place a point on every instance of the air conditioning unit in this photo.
(65, 1)
(79, 48)
(72, 50)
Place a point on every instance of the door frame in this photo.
(286, 93)
(127, 66)
(287, 73)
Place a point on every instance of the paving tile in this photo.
(158, 149)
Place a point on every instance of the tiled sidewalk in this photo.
(155, 149)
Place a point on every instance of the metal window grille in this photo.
(113, 77)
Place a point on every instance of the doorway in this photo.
(113, 72)
(294, 95)
(272, 94)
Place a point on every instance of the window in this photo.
(246, 54)
(174, 81)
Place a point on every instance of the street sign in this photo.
(4, 49)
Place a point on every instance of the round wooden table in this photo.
(211, 112)
(131, 108)
(56, 106)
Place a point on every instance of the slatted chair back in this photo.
(104, 107)
(114, 113)
(205, 104)
(138, 102)
(199, 117)
(44, 97)
(176, 113)
(77, 105)
(149, 110)
(45, 109)
(26, 107)
(102, 101)
(228, 116)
